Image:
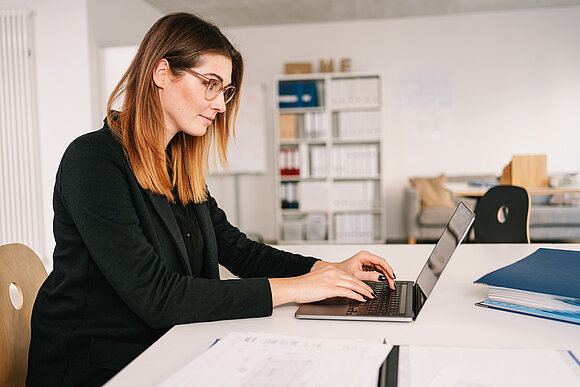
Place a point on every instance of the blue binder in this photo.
(552, 272)
(549, 271)
(297, 94)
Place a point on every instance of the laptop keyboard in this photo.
(387, 302)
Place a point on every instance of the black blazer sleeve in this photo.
(110, 213)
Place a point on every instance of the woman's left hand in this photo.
(364, 266)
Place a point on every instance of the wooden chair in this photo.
(22, 268)
(502, 215)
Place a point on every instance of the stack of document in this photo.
(544, 284)
(262, 359)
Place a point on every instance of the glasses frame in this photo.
(208, 82)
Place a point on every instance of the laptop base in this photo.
(337, 308)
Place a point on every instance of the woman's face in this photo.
(182, 99)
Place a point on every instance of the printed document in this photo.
(261, 359)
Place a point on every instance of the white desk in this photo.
(449, 317)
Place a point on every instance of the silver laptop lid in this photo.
(451, 237)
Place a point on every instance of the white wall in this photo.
(63, 88)
(114, 23)
(514, 84)
(65, 47)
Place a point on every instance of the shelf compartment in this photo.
(307, 126)
(357, 227)
(356, 125)
(355, 92)
(305, 227)
(355, 160)
(350, 196)
(301, 93)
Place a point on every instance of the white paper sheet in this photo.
(484, 367)
(260, 359)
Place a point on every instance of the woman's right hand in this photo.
(318, 285)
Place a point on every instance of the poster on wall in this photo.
(425, 101)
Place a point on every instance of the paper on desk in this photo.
(485, 367)
(261, 359)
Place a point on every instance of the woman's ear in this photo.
(161, 73)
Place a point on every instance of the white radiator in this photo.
(20, 184)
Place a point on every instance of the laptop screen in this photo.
(452, 236)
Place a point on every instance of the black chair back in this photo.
(502, 215)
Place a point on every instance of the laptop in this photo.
(404, 303)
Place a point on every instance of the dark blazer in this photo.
(121, 274)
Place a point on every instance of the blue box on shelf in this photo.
(297, 94)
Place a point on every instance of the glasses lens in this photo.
(213, 89)
(229, 93)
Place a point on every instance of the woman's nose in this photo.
(219, 103)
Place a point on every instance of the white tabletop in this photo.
(449, 317)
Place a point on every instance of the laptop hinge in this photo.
(418, 300)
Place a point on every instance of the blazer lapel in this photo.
(210, 263)
(161, 206)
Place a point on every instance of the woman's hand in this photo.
(326, 282)
(364, 266)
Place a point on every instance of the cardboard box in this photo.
(288, 126)
(298, 68)
(526, 171)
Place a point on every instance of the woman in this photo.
(138, 235)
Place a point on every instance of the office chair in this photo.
(20, 267)
(502, 215)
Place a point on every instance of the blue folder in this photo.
(297, 94)
(548, 271)
(571, 317)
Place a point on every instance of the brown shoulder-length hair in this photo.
(140, 126)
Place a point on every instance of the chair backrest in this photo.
(22, 268)
(502, 215)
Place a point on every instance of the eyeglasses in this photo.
(213, 87)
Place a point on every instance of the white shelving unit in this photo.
(328, 137)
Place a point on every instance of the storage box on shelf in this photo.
(328, 139)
